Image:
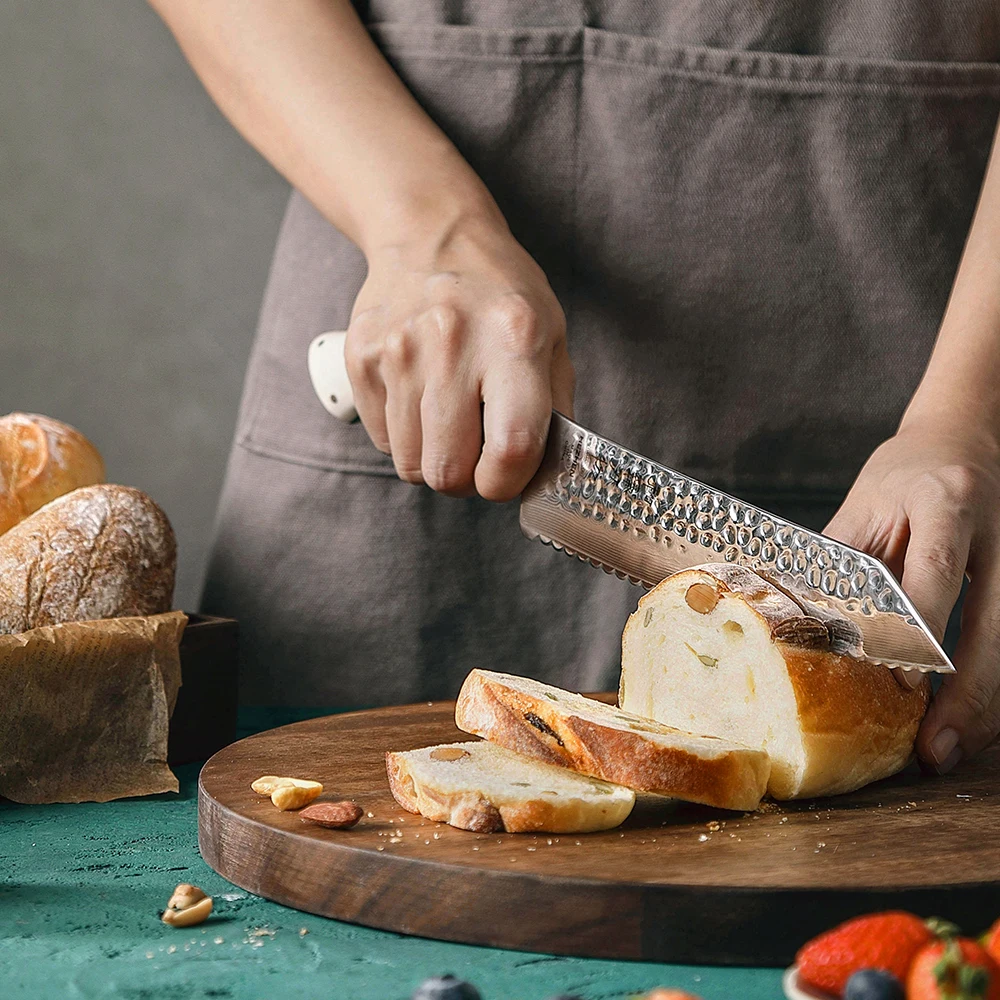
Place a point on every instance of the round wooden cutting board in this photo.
(676, 882)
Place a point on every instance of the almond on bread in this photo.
(606, 742)
(720, 650)
(483, 787)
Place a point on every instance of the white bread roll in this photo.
(605, 742)
(720, 650)
(482, 787)
(41, 459)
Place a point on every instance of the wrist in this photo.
(936, 411)
(427, 210)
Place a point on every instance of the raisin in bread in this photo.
(721, 650)
(606, 742)
(483, 787)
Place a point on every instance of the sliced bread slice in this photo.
(606, 742)
(483, 787)
(720, 649)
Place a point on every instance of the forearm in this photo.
(961, 387)
(306, 86)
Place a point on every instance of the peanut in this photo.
(333, 815)
(701, 597)
(296, 796)
(188, 906)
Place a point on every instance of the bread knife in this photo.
(631, 516)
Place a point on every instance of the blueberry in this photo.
(873, 984)
(446, 988)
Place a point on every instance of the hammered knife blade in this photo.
(607, 505)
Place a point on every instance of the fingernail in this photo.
(945, 751)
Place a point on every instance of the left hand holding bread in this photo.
(926, 504)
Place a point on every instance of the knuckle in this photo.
(443, 324)
(445, 475)
(977, 696)
(360, 358)
(516, 446)
(956, 486)
(519, 325)
(410, 473)
(396, 347)
(945, 561)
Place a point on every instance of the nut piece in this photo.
(448, 753)
(287, 793)
(333, 815)
(296, 796)
(701, 597)
(188, 906)
(269, 782)
(185, 895)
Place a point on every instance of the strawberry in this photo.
(955, 968)
(991, 941)
(661, 993)
(887, 941)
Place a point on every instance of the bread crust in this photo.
(857, 723)
(469, 810)
(41, 459)
(98, 552)
(735, 779)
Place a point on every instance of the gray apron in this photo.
(751, 213)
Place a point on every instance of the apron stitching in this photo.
(824, 85)
(313, 463)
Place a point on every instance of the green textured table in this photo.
(82, 888)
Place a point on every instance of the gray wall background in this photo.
(136, 229)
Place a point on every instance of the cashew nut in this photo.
(287, 793)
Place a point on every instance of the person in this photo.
(741, 221)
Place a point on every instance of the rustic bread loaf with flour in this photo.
(720, 650)
(41, 459)
(606, 742)
(485, 788)
(98, 552)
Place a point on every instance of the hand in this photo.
(457, 354)
(926, 503)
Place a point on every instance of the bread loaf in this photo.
(720, 650)
(483, 787)
(41, 459)
(98, 552)
(606, 742)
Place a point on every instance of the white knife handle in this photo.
(328, 372)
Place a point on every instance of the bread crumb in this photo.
(703, 837)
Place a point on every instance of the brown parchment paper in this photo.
(85, 709)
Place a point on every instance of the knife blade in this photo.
(609, 506)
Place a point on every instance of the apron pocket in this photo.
(764, 247)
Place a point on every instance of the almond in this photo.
(333, 815)
(448, 753)
(701, 597)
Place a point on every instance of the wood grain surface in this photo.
(677, 882)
